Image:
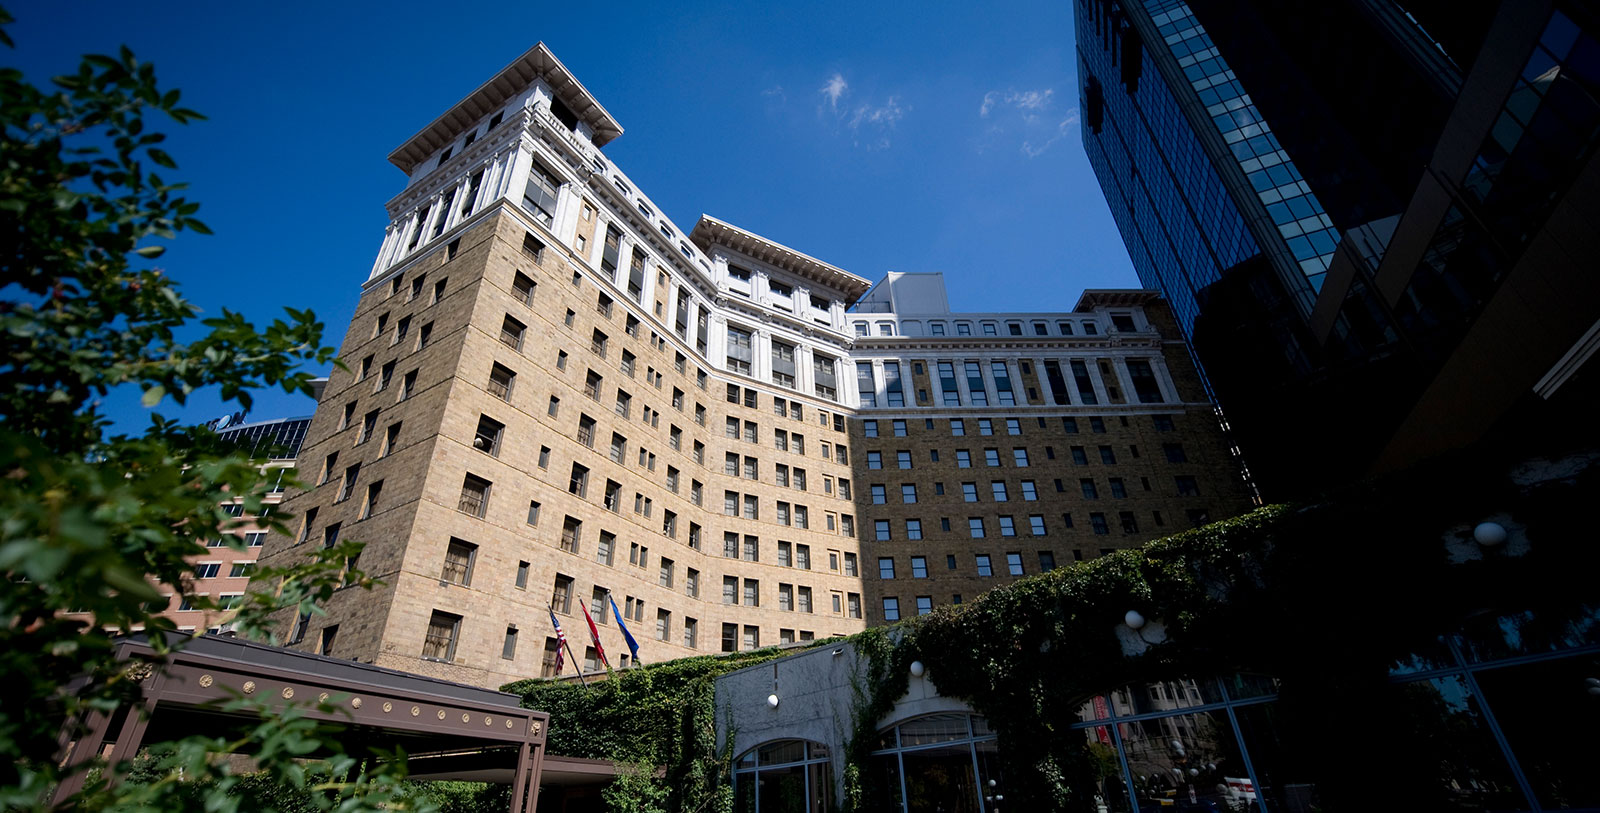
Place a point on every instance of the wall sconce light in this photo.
(917, 669)
(1134, 619)
(772, 700)
(1489, 534)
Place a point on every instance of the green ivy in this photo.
(662, 716)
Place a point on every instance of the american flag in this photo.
(561, 640)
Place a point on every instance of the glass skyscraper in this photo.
(1334, 197)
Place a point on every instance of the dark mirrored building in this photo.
(1370, 219)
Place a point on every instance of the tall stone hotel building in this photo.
(554, 395)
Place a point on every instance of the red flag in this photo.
(594, 633)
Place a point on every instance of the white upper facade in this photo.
(528, 143)
(914, 304)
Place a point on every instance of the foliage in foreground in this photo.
(87, 515)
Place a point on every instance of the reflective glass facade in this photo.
(1294, 210)
(1181, 227)
(1493, 716)
(279, 439)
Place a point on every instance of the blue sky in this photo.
(875, 136)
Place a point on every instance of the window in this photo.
(1014, 564)
(1019, 455)
(1130, 524)
(1013, 426)
(487, 439)
(511, 333)
(1002, 382)
(783, 370)
(458, 559)
(891, 608)
(579, 482)
(1029, 492)
(908, 492)
(474, 498)
(894, 394)
(1118, 490)
(903, 458)
(975, 527)
(880, 529)
(369, 422)
(866, 385)
(1089, 491)
(853, 600)
(752, 594)
(1187, 486)
(1007, 526)
(991, 457)
(1080, 456)
(1098, 522)
(874, 460)
(1174, 452)
(998, 488)
(439, 644)
(984, 568)
(370, 505)
(919, 567)
(605, 548)
(739, 354)
(1036, 524)
(969, 492)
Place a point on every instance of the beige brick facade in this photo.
(733, 493)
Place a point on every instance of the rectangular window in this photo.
(474, 498)
(1014, 564)
(439, 644)
(487, 439)
(891, 608)
(1145, 386)
(984, 568)
(740, 354)
(894, 395)
(1002, 383)
(511, 333)
(980, 395)
(866, 384)
(1080, 375)
(783, 370)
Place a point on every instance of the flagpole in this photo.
(576, 664)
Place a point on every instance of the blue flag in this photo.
(633, 646)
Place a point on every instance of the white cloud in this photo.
(1025, 113)
(1020, 100)
(1033, 149)
(870, 125)
(834, 89)
(868, 121)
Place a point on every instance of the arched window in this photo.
(783, 776)
(945, 762)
